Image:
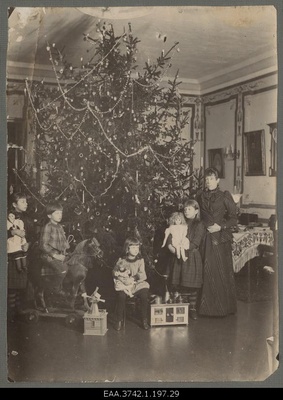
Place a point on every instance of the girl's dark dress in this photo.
(218, 294)
(189, 273)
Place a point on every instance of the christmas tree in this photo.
(108, 141)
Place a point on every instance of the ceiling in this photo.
(217, 46)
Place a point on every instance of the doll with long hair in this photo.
(178, 228)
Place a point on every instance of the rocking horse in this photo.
(86, 255)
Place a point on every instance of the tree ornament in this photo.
(78, 211)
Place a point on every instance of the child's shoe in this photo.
(193, 314)
(145, 324)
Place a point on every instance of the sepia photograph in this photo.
(124, 126)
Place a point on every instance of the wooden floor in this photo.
(230, 349)
(207, 350)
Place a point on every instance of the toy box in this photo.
(169, 314)
(95, 324)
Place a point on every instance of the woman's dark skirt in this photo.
(218, 296)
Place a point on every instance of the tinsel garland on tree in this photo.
(109, 143)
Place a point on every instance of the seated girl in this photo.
(134, 263)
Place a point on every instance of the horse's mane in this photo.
(80, 247)
(80, 254)
(83, 254)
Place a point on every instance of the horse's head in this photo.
(94, 248)
(85, 253)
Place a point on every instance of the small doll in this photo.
(124, 281)
(178, 228)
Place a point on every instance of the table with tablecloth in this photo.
(245, 245)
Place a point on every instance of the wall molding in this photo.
(258, 205)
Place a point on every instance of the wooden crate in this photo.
(95, 324)
(169, 314)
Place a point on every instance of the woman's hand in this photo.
(171, 248)
(214, 228)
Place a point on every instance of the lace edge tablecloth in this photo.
(245, 245)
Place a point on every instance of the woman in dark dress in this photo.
(187, 276)
(218, 213)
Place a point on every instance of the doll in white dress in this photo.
(178, 228)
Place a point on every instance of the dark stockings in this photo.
(16, 301)
(21, 264)
(192, 294)
(142, 294)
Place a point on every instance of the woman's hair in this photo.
(174, 216)
(51, 207)
(131, 241)
(211, 171)
(192, 203)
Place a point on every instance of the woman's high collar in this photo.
(206, 190)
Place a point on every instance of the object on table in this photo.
(248, 219)
(242, 228)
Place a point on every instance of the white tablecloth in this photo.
(245, 245)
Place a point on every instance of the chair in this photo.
(132, 310)
(268, 254)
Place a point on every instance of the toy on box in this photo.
(95, 320)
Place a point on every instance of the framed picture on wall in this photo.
(216, 160)
(254, 153)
